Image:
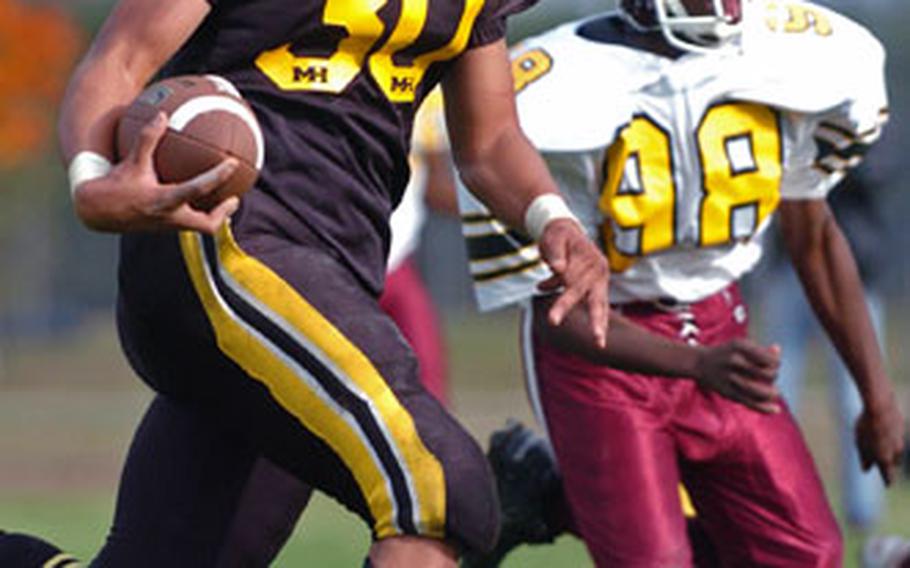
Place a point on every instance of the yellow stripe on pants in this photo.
(300, 399)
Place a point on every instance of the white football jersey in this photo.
(676, 165)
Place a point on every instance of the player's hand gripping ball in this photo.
(208, 121)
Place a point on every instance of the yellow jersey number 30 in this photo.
(355, 53)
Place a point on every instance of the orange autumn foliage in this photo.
(38, 47)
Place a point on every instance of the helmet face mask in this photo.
(690, 25)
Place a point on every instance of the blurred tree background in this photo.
(39, 44)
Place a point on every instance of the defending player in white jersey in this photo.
(676, 129)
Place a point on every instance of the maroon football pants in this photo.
(625, 441)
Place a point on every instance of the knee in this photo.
(452, 496)
(410, 551)
(823, 547)
(670, 551)
(827, 548)
(469, 517)
(472, 505)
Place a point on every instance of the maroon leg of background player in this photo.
(625, 441)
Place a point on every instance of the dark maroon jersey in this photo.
(335, 89)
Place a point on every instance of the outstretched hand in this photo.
(742, 371)
(880, 439)
(580, 271)
(130, 197)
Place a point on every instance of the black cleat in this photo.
(19, 550)
(528, 483)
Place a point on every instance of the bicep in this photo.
(139, 36)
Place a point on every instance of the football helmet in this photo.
(690, 25)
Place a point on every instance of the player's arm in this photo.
(137, 38)
(500, 166)
(740, 370)
(828, 272)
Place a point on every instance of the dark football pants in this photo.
(407, 301)
(273, 499)
(20, 550)
(270, 507)
(279, 349)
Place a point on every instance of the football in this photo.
(208, 121)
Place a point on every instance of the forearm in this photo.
(499, 164)
(99, 90)
(630, 347)
(509, 161)
(494, 158)
(96, 96)
(829, 275)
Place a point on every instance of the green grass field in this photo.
(67, 411)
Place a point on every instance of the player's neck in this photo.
(652, 41)
(613, 29)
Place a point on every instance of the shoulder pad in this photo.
(806, 58)
(573, 93)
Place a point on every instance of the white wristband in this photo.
(87, 166)
(545, 208)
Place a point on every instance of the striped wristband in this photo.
(545, 208)
(86, 166)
